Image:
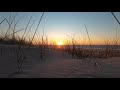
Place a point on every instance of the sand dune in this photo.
(56, 64)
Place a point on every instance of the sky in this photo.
(100, 25)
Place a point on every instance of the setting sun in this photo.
(59, 43)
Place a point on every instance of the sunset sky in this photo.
(101, 25)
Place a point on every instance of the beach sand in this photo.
(56, 64)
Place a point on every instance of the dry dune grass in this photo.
(21, 48)
(11, 37)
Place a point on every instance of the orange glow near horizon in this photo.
(64, 42)
(59, 43)
(61, 39)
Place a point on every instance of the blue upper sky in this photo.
(101, 25)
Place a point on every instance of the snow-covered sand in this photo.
(56, 64)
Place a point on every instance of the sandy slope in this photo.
(72, 68)
(57, 64)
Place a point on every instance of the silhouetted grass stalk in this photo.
(36, 30)
(91, 55)
(115, 18)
